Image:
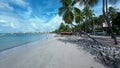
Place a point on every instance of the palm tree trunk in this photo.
(93, 25)
(89, 36)
(108, 22)
(106, 7)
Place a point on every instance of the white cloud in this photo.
(26, 14)
(20, 3)
(31, 24)
(5, 4)
(5, 7)
(34, 25)
(21, 21)
(39, 24)
(2, 21)
(29, 11)
(79, 6)
(54, 22)
(13, 25)
(53, 12)
(8, 21)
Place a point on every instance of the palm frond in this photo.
(92, 2)
(68, 17)
(62, 10)
(66, 2)
(77, 15)
(74, 2)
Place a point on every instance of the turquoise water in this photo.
(8, 41)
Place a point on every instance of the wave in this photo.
(2, 35)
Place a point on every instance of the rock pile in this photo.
(108, 55)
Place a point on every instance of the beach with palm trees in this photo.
(60, 34)
(55, 52)
(84, 20)
(100, 32)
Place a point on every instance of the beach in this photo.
(50, 53)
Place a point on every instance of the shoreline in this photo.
(22, 44)
(51, 53)
(97, 49)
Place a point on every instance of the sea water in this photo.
(8, 41)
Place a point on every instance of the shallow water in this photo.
(8, 41)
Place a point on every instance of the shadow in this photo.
(105, 54)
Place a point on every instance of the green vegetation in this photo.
(116, 23)
(85, 21)
(63, 28)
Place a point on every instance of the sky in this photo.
(33, 15)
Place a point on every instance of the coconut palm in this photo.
(78, 15)
(70, 13)
(104, 9)
(105, 13)
(88, 14)
(78, 18)
(66, 11)
(112, 13)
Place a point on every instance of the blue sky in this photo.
(32, 15)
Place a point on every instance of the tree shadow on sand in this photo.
(105, 54)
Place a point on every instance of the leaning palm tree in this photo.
(66, 11)
(70, 13)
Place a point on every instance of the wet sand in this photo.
(51, 53)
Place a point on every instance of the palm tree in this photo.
(104, 7)
(88, 14)
(105, 13)
(66, 11)
(70, 13)
(116, 23)
(78, 17)
(62, 27)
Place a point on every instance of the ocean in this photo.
(8, 41)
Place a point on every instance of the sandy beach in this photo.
(51, 53)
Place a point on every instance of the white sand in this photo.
(48, 54)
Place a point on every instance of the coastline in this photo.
(44, 38)
(51, 53)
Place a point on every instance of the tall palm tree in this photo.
(104, 7)
(105, 13)
(68, 15)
